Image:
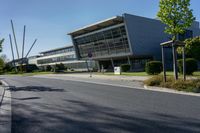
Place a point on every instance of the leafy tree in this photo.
(1, 43)
(5, 58)
(192, 48)
(176, 15)
(2, 64)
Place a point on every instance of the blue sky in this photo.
(50, 20)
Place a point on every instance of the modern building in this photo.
(65, 55)
(124, 39)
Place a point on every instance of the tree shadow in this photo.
(35, 89)
(75, 116)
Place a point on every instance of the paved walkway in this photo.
(98, 76)
(5, 110)
(124, 81)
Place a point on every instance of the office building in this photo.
(126, 39)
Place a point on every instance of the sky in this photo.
(50, 20)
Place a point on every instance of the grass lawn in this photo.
(124, 73)
(169, 73)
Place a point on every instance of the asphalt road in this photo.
(42, 105)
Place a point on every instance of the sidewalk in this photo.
(101, 76)
(5, 110)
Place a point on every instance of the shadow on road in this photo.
(34, 89)
(78, 116)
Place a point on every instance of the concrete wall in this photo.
(145, 35)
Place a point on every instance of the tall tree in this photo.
(1, 43)
(177, 16)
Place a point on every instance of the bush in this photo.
(192, 85)
(1, 66)
(153, 67)
(30, 68)
(8, 67)
(48, 68)
(125, 67)
(154, 81)
(59, 67)
(192, 48)
(191, 66)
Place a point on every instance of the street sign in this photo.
(117, 70)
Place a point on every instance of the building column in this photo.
(129, 62)
(112, 63)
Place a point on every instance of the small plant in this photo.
(154, 81)
(48, 68)
(191, 66)
(153, 67)
(125, 67)
(192, 85)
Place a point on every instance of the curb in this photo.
(5, 110)
(172, 91)
(2, 95)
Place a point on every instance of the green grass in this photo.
(169, 73)
(127, 74)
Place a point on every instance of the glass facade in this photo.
(105, 43)
(57, 59)
(60, 51)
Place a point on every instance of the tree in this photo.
(176, 15)
(1, 66)
(192, 48)
(5, 58)
(1, 43)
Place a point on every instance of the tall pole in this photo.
(184, 67)
(13, 30)
(31, 48)
(175, 61)
(163, 62)
(24, 33)
(12, 51)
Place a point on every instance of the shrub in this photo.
(125, 67)
(30, 68)
(191, 66)
(48, 68)
(154, 81)
(59, 67)
(1, 66)
(192, 85)
(192, 48)
(8, 67)
(153, 67)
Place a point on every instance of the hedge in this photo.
(191, 65)
(153, 67)
(125, 67)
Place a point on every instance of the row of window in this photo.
(57, 59)
(66, 50)
(113, 41)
